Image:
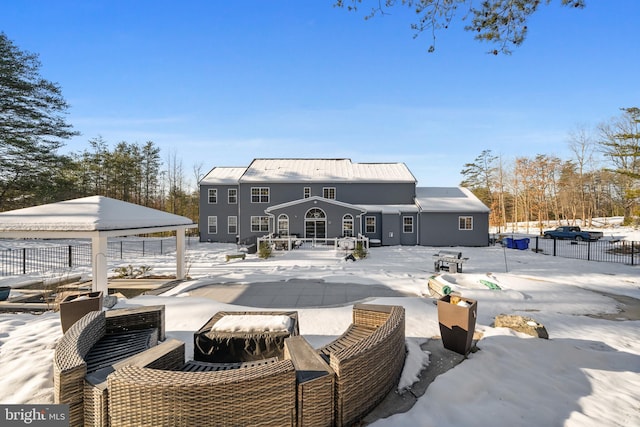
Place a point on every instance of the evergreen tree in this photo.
(501, 22)
(620, 142)
(32, 128)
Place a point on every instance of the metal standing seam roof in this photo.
(325, 170)
(223, 175)
(448, 199)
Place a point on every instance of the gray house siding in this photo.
(376, 193)
(409, 239)
(353, 193)
(377, 232)
(403, 213)
(297, 215)
(390, 229)
(442, 229)
(222, 210)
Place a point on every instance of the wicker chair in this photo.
(70, 364)
(69, 367)
(262, 395)
(367, 359)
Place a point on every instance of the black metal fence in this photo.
(617, 251)
(32, 259)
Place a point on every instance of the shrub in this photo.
(360, 252)
(264, 251)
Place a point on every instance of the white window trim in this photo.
(465, 217)
(230, 220)
(260, 195)
(350, 219)
(235, 202)
(326, 191)
(366, 226)
(261, 222)
(403, 224)
(284, 217)
(212, 221)
(213, 191)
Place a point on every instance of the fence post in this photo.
(24, 260)
(120, 249)
(161, 240)
(588, 250)
(632, 251)
(537, 239)
(554, 246)
(70, 254)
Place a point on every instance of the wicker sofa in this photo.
(262, 395)
(335, 385)
(367, 360)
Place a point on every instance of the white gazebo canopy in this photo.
(97, 218)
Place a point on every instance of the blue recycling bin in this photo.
(522, 244)
(508, 242)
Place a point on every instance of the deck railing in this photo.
(295, 242)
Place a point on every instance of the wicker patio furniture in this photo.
(335, 385)
(80, 351)
(263, 395)
(169, 355)
(367, 360)
(221, 346)
(315, 384)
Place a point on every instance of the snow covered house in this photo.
(328, 198)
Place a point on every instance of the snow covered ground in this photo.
(586, 374)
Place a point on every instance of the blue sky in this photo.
(216, 83)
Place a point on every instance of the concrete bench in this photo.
(234, 256)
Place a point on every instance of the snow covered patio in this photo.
(586, 374)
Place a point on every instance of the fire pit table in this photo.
(244, 336)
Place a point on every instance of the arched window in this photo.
(315, 213)
(315, 224)
(347, 225)
(283, 225)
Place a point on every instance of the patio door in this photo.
(315, 224)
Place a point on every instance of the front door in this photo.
(315, 224)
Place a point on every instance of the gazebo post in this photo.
(99, 264)
(180, 253)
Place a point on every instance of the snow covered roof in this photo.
(313, 199)
(95, 213)
(390, 209)
(448, 199)
(325, 170)
(223, 175)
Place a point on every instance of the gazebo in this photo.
(97, 218)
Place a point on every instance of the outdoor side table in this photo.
(216, 345)
(74, 307)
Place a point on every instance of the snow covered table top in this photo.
(244, 336)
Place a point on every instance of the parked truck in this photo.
(572, 233)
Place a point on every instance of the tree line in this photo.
(33, 127)
(601, 179)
